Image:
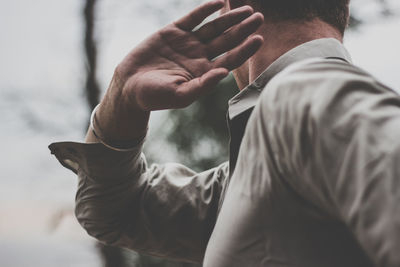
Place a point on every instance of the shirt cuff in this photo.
(97, 161)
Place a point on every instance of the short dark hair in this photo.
(333, 12)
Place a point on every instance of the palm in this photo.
(175, 65)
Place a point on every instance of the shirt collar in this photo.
(322, 48)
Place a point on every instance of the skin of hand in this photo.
(175, 66)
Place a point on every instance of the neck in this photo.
(281, 37)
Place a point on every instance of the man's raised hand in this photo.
(178, 64)
(174, 67)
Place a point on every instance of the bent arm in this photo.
(163, 210)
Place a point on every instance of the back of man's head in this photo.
(333, 12)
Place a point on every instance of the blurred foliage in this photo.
(200, 132)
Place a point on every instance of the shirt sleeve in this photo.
(337, 132)
(165, 210)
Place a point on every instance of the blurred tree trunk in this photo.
(112, 256)
(92, 90)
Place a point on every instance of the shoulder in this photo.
(321, 85)
(319, 73)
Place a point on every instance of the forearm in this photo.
(118, 117)
(164, 210)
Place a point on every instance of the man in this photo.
(312, 178)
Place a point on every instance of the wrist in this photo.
(119, 118)
(95, 133)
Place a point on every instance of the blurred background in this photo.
(56, 60)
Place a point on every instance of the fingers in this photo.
(194, 18)
(235, 36)
(218, 26)
(192, 90)
(236, 57)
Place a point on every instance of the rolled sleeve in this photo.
(165, 210)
